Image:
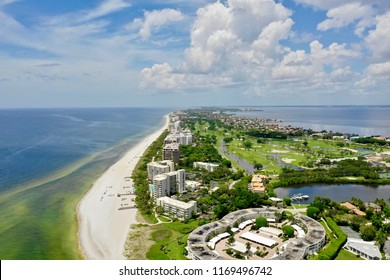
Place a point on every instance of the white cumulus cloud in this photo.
(378, 40)
(230, 43)
(241, 42)
(347, 14)
(154, 20)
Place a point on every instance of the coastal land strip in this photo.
(108, 210)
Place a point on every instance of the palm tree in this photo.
(248, 247)
(231, 240)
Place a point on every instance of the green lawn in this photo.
(164, 219)
(329, 233)
(299, 206)
(170, 240)
(273, 169)
(345, 255)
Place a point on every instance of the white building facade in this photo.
(159, 167)
(168, 184)
(176, 208)
(205, 165)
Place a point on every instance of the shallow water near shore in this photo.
(38, 209)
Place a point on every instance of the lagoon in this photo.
(337, 192)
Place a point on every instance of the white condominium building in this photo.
(182, 138)
(185, 138)
(205, 165)
(176, 208)
(159, 167)
(167, 184)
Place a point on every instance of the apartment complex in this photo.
(183, 138)
(159, 167)
(171, 152)
(176, 208)
(205, 165)
(168, 184)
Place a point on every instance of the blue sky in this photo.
(183, 53)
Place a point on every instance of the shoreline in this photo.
(102, 227)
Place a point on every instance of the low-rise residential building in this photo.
(171, 152)
(258, 183)
(206, 165)
(375, 207)
(192, 185)
(198, 246)
(353, 208)
(386, 249)
(159, 167)
(176, 208)
(366, 250)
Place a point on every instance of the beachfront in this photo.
(104, 217)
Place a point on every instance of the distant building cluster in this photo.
(176, 137)
(165, 181)
(206, 165)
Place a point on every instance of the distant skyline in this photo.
(176, 53)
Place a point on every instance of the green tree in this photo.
(288, 231)
(247, 144)
(231, 240)
(257, 166)
(313, 212)
(381, 238)
(287, 200)
(260, 141)
(247, 247)
(221, 210)
(386, 211)
(321, 202)
(357, 222)
(261, 222)
(368, 232)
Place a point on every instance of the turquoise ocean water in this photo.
(37, 142)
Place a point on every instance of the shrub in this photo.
(333, 248)
(313, 212)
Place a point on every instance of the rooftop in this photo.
(176, 203)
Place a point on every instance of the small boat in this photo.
(299, 196)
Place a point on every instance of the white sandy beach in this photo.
(103, 228)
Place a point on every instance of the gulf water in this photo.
(36, 142)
